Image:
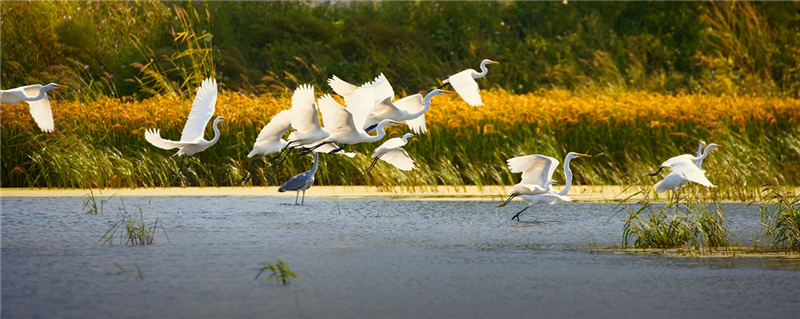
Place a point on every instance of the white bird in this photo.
(392, 152)
(673, 181)
(685, 166)
(464, 83)
(192, 141)
(36, 96)
(270, 139)
(305, 121)
(410, 110)
(537, 169)
(301, 182)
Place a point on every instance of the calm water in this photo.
(369, 258)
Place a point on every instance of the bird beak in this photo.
(583, 155)
(494, 62)
(448, 92)
(719, 145)
(398, 123)
(61, 86)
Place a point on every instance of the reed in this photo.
(132, 229)
(780, 218)
(278, 271)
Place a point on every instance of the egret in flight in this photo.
(270, 139)
(305, 121)
(540, 168)
(192, 141)
(36, 96)
(410, 110)
(392, 152)
(301, 182)
(464, 83)
(685, 168)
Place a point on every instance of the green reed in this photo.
(780, 218)
(278, 271)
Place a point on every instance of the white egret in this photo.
(270, 139)
(685, 166)
(464, 83)
(192, 140)
(392, 152)
(681, 173)
(410, 110)
(301, 182)
(540, 168)
(305, 121)
(39, 103)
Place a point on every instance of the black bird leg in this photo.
(520, 212)
(658, 171)
(309, 150)
(507, 201)
(372, 165)
(249, 174)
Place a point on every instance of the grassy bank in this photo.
(101, 144)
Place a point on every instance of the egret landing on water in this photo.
(36, 96)
(464, 83)
(537, 171)
(301, 182)
(192, 141)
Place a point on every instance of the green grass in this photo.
(133, 229)
(278, 271)
(780, 218)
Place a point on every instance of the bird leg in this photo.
(282, 150)
(370, 128)
(520, 212)
(298, 196)
(507, 201)
(656, 172)
(249, 174)
(372, 165)
(309, 150)
(303, 201)
(337, 149)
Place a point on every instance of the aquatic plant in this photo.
(780, 218)
(90, 203)
(278, 271)
(133, 229)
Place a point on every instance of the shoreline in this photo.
(578, 193)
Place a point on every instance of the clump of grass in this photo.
(90, 204)
(696, 228)
(132, 229)
(138, 276)
(278, 271)
(780, 219)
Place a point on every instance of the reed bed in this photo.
(101, 144)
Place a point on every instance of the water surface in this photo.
(369, 258)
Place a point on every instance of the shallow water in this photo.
(369, 258)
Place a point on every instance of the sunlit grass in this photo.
(780, 218)
(101, 144)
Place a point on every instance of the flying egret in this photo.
(675, 180)
(301, 182)
(535, 169)
(270, 139)
(464, 83)
(392, 152)
(192, 141)
(305, 121)
(340, 122)
(36, 96)
(685, 166)
(410, 110)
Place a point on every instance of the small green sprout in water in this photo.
(134, 231)
(279, 271)
(780, 219)
(137, 275)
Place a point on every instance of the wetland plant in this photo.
(780, 219)
(697, 227)
(278, 271)
(133, 229)
(90, 204)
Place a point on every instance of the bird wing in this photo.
(154, 137)
(671, 182)
(536, 169)
(392, 143)
(305, 117)
(413, 104)
(341, 87)
(399, 158)
(40, 109)
(361, 104)
(686, 158)
(326, 148)
(466, 87)
(689, 171)
(295, 183)
(382, 88)
(277, 126)
(202, 111)
(338, 120)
